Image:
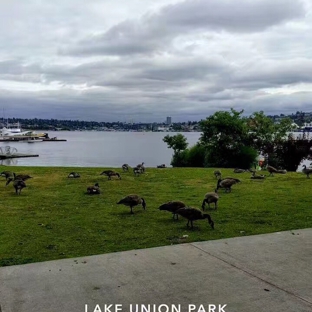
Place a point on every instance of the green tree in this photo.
(226, 138)
(179, 144)
(265, 134)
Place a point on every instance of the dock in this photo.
(25, 138)
(17, 155)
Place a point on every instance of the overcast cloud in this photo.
(143, 60)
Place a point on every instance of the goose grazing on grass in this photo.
(172, 206)
(132, 201)
(137, 171)
(257, 177)
(18, 185)
(271, 170)
(161, 166)
(74, 175)
(95, 189)
(110, 174)
(8, 175)
(141, 166)
(217, 174)
(226, 184)
(211, 197)
(192, 214)
(235, 179)
(237, 170)
(125, 167)
(22, 177)
(307, 171)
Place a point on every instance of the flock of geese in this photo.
(175, 207)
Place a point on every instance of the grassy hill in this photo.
(53, 218)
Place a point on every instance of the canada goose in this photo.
(230, 178)
(125, 167)
(132, 200)
(95, 189)
(7, 174)
(192, 214)
(18, 185)
(110, 174)
(217, 174)
(211, 197)
(257, 177)
(226, 184)
(137, 171)
(22, 177)
(74, 175)
(271, 170)
(306, 171)
(237, 170)
(172, 206)
(141, 166)
(161, 166)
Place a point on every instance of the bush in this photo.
(244, 157)
(191, 157)
(196, 156)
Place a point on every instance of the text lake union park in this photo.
(156, 308)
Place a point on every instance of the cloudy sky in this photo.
(143, 60)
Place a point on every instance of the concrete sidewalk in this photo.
(271, 272)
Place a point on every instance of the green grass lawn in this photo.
(53, 218)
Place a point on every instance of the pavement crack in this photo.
(250, 273)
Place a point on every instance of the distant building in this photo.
(168, 121)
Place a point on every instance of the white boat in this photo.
(15, 130)
(34, 140)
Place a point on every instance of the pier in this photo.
(17, 155)
(26, 138)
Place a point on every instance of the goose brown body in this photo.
(141, 166)
(237, 170)
(271, 170)
(217, 174)
(172, 206)
(74, 175)
(137, 171)
(211, 197)
(227, 184)
(110, 174)
(125, 167)
(22, 177)
(257, 177)
(95, 189)
(161, 166)
(307, 171)
(193, 214)
(132, 201)
(7, 174)
(18, 185)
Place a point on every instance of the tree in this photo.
(233, 140)
(265, 134)
(226, 138)
(177, 142)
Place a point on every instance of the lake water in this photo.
(98, 149)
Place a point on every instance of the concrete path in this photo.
(271, 273)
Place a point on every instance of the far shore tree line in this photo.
(230, 140)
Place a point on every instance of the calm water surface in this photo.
(98, 149)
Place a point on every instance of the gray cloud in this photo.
(146, 60)
(152, 32)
